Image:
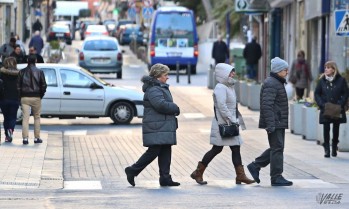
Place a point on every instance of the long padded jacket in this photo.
(159, 120)
(273, 104)
(335, 92)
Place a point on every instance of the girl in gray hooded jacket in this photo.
(225, 104)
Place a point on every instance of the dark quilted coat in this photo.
(273, 104)
(159, 120)
(335, 92)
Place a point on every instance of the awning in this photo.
(279, 3)
(7, 1)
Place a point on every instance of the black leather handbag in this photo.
(228, 130)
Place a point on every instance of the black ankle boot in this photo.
(334, 149)
(130, 176)
(327, 149)
(167, 181)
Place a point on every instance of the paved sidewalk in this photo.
(31, 166)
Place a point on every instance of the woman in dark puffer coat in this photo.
(10, 102)
(332, 87)
(159, 126)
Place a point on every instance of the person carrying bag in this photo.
(225, 104)
(331, 96)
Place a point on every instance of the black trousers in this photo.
(335, 133)
(235, 155)
(274, 155)
(299, 93)
(163, 152)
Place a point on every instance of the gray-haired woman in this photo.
(159, 126)
(226, 111)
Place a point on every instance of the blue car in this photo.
(131, 31)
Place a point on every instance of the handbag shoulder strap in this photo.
(237, 112)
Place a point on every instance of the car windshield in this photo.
(100, 45)
(60, 28)
(95, 77)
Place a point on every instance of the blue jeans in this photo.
(252, 71)
(9, 109)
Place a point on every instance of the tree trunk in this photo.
(208, 9)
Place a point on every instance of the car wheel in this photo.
(19, 118)
(119, 75)
(122, 113)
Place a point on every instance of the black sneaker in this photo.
(37, 140)
(254, 171)
(281, 181)
(25, 141)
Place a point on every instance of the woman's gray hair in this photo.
(158, 70)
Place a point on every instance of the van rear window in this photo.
(174, 30)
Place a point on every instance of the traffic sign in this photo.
(342, 22)
(147, 12)
(131, 12)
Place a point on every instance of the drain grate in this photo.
(19, 183)
(51, 179)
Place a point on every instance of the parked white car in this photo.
(74, 92)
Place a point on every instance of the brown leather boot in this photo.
(241, 176)
(197, 174)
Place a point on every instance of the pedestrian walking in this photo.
(226, 112)
(300, 75)
(274, 119)
(159, 126)
(18, 55)
(331, 88)
(220, 51)
(252, 53)
(39, 58)
(37, 26)
(31, 86)
(37, 42)
(7, 48)
(9, 103)
(19, 42)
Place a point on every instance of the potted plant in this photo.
(243, 92)
(55, 52)
(253, 92)
(343, 145)
(296, 116)
(309, 120)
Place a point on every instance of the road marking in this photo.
(193, 115)
(205, 130)
(129, 87)
(82, 185)
(76, 132)
(134, 66)
(312, 183)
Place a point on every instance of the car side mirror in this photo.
(95, 86)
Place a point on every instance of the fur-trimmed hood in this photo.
(6, 71)
(149, 81)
